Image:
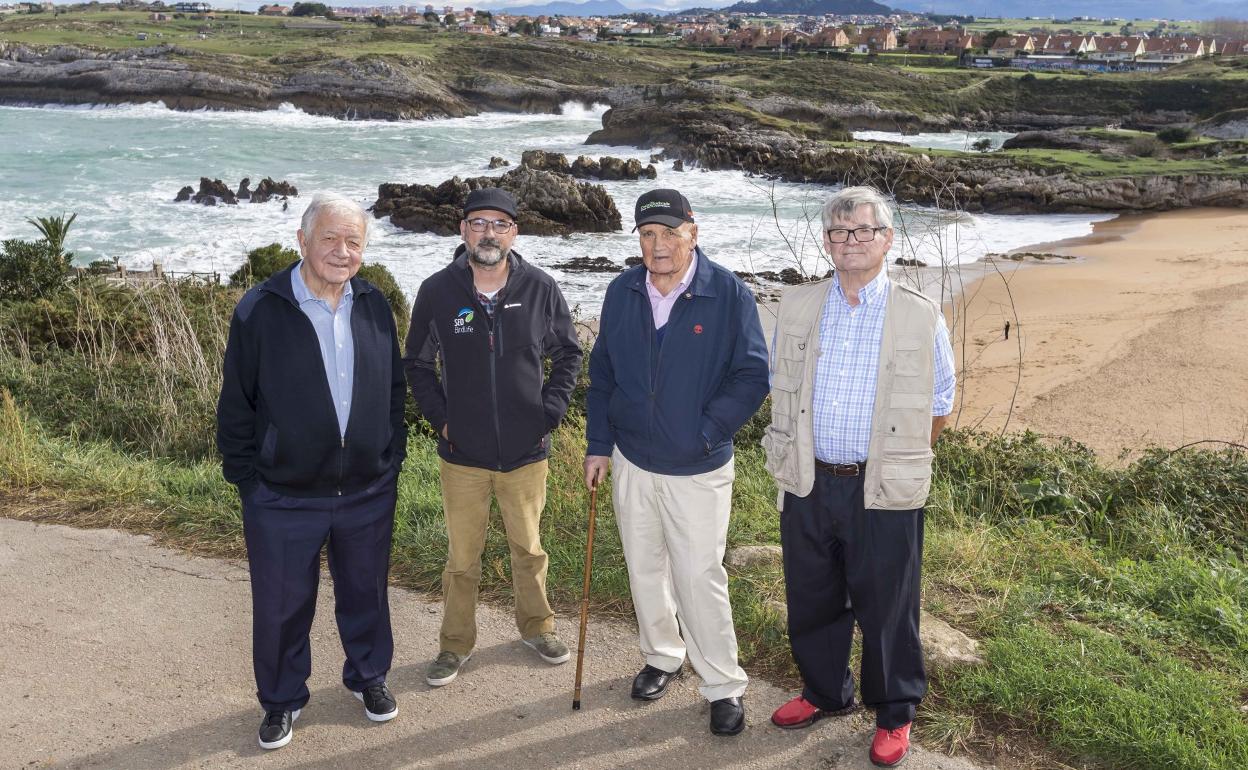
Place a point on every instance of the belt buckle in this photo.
(845, 469)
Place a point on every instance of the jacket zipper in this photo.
(342, 454)
(498, 431)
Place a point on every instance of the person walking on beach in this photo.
(862, 382)
(310, 428)
(482, 328)
(678, 367)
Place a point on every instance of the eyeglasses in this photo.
(861, 234)
(501, 226)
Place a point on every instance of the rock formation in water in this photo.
(549, 203)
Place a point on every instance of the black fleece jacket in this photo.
(482, 377)
(275, 418)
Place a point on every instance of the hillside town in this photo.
(1048, 44)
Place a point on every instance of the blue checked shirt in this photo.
(846, 370)
(333, 332)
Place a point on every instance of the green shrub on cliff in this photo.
(263, 262)
(383, 279)
(32, 269)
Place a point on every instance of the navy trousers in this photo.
(284, 540)
(843, 563)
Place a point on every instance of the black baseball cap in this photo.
(664, 207)
(494, 198)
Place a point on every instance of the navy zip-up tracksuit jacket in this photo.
(275, 418)
(673, 408)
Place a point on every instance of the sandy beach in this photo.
(1138, 340)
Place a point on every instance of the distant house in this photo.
(1011, 46)
(274, 10)
(1172, 50)
(875, 39)
(945, 41)
(1234, 49)
(1068, 45)
(830, 37)
(1118, 48)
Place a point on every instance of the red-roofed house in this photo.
(953, 41)
(1234, 48)
(1009, 47)
(1068, 45)
(1172, 49)
(1118, 48)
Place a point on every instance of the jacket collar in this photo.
(279, 284)
(702, 284)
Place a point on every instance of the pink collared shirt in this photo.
(661, 306)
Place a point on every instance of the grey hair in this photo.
(842, 205)
(322, 202)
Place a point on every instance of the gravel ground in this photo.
(119, 653)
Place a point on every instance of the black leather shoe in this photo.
(277, 728)
(650, 683)
(379, 704)
(727, 716)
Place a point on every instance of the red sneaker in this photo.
(890, 746)
(800, 712)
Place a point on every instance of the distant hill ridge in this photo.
(810, 7)
(588, 8)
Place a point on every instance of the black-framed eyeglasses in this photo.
(501, 226)
(861, 234)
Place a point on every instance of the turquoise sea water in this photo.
(119, 168)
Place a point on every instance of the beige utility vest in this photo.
(899, 455)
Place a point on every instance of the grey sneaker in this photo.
(550, 648)
(445, 668)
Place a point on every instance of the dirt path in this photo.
(122, 654)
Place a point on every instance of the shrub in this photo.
(262, 263)
(1144, 147)
(1174, 134)
(383, 279)
(982, 145)
(32, 269)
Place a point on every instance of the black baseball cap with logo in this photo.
(493, 198)
(664, 207)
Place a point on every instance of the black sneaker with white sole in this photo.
(379, 704)
(277, 728)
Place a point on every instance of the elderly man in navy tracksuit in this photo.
(310, 428)
(678, 367)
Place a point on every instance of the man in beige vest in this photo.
(862, 382)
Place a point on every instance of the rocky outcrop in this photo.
(550, 203)
(720, 139)
(368, 87)
(497, 162)
(606, 168)
(211, 192)
(589, 265)
(748, 556)
(214, 191)
(270, 189)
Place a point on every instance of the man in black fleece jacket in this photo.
(310, 428)
(481, 330)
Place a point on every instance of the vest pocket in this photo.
(781, 455)
(909, 356)
(905, 479)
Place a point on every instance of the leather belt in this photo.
(841, 469)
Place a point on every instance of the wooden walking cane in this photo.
(589, 565)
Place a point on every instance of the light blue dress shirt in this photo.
(846, 371)
(333, 332)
